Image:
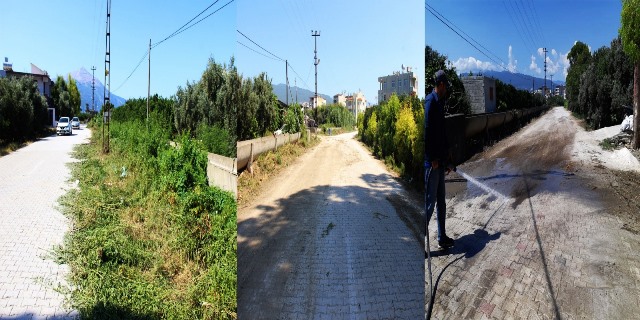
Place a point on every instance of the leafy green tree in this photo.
(457, 100)
(23, 111)
(579, 58)
(630, 34)
(74, 96)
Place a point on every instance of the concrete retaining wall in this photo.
(222, 172)
(250, 149)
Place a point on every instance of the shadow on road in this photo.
(301, 247)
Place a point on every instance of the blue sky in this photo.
(62, 36)
(516, 30)
(359, 41)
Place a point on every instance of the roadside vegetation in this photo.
(23, 113)
(269, 164)
(333, 116)
(394, 130)
(600, 84)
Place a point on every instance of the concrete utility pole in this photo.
(316, 61)
(149, 84)
(545, 73)
(286, 64)
(551, 92)
(106, 110)
(295, 83)
(93, 88)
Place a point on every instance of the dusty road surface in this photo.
(31, 181)
(333, 237)
(545, 229)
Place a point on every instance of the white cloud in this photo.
(557, 64)
(512, 62)
(534, 66)
(473, 64)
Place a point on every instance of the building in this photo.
(560, 90)
(38, 75)
(356, 101)
(482, 93)
(400, 83)
(321, 102)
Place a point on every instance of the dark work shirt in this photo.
(436, 146)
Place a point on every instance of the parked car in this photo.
(75, 123)
(64, 126)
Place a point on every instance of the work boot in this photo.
(445, 242)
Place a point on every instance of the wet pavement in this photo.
(536, 238)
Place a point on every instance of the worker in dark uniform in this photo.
(436, 155)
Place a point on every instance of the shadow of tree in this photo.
(331, 250)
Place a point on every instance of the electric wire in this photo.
(130, 74)
(184, 25)
(256, 51)
(259, 46)
(189, 27)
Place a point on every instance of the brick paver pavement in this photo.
(31, 181)
(334, 239)
(535, 242)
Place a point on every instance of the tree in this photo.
(579, 58)
(74, 96)
(457, 100)
(630, 34)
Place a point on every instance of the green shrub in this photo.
(216, 140)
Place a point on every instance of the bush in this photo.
(23, 111)
(216, 140)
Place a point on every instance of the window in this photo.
(490, 93)
(406, 82)
(393, 84)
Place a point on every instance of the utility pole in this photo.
(148, 83)
(315, 34)
(295, 83)
(286, 64)
(93, 88)
(545, 73)
(551, 92)
(106, 106)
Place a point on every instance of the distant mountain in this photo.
(303, 94)
(83, 80)
(519, 80)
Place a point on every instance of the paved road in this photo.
(31, 181)
(538, 237)
(332, 238)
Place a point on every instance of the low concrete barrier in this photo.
(250, 149)
(222, 172)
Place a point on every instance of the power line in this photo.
(436, 11)
(184, 25)
(428, 8)
(189, 27)
(256, 51)
(259, 46)
(134, 70)
(294, 71)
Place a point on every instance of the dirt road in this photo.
(541, 233)
(333, 236)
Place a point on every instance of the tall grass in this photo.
(151, 239)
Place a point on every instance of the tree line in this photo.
(600, 85)
(219, 109)
(394, 130)
(23, 110)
